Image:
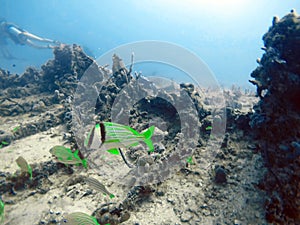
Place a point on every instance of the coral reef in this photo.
(276, 120)
(45, 93)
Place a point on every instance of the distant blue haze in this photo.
(227, 37)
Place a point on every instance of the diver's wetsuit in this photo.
(22, 37)
(4, 35)
(14, 32)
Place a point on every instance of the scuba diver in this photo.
(21, 37)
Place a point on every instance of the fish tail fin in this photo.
(111, 196)
(147, 135)
(150, 145)
(149, 132)
(84, 163)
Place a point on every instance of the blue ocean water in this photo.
(226, 35)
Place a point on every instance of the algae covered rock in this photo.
(276, 120)
(279, 67)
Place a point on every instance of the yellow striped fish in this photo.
(111, 136)
(80, 218)
(96, 185)
(66, 156)
(25, 167)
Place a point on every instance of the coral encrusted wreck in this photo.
(277, 119)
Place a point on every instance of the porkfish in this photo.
(80, 218)
(112, 136)
(66, 156)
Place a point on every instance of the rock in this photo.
(124, 217)
(296, 145)
(170, 200)
(276, 120)
(220, 175)
(5, 137)
(186, 216)
(38, 107)
(159, 193)
(252, 146)
(284, 147)
(237, 222)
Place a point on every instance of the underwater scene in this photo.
(161, 112)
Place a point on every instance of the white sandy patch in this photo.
(35, 149)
